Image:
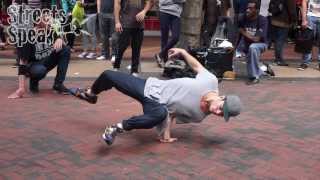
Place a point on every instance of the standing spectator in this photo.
(240, 7)
(310, 19)
(89, 49)
(129, 17)
(253, 31)
(213, 11)
(106, 28)
(280, 24)
(67, 6)
(170, 12)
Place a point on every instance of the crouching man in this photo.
(37, 58)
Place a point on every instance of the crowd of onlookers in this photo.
(253, 26)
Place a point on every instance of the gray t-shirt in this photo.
(182, 96)
(173, 7)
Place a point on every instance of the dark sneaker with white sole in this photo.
(84, 94)
(302, 67)
(61, 89)
(110, 134)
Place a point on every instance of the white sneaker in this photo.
(82, 55)
(115, 69)
(113, 59)
(129, 67)
(135, 74)
(238, 54)
(91, 55)
(101, 57)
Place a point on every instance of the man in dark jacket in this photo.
(280, 24)
(39, 56)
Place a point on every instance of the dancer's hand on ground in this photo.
(170, 140)
(17, 94)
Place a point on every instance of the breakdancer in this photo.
(182, 100)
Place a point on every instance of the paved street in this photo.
(52, 136)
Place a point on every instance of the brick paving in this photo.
(51, 136)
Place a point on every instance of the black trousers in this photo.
(153, 112)
(135, 35)
(2, 36)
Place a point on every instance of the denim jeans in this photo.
(253, 59)
(106, 28)
(136, 37)
(314, 24)
(60, 59)
(90, 26)
(279, 35)
(168, 23)
(154, 112)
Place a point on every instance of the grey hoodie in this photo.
(173, 7)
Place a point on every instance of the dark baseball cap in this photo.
(232, 106)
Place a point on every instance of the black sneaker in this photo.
(269, 70)
(61, 89)
(84, 94)
(34, 86)
(110, 134)
(253, 81)
(302, 67)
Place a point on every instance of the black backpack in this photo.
(276, 7)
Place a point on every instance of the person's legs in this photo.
(37, 72)
(164, 29)
(307, 57)
(136, 43)
(91, 26)
(70, 36)
(154, 114)
(61, 60)
(253, 60)
(103, 29)
(85, 43)
(174, 24)
(124, 39)
(317, 22)
(125, 83)
(281, 35)
(2, 35)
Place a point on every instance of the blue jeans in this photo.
(253, 59)
(314, 24)
(279, 35)
(168, 23)
(90, 26)
(106, 25)
(154, 112)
